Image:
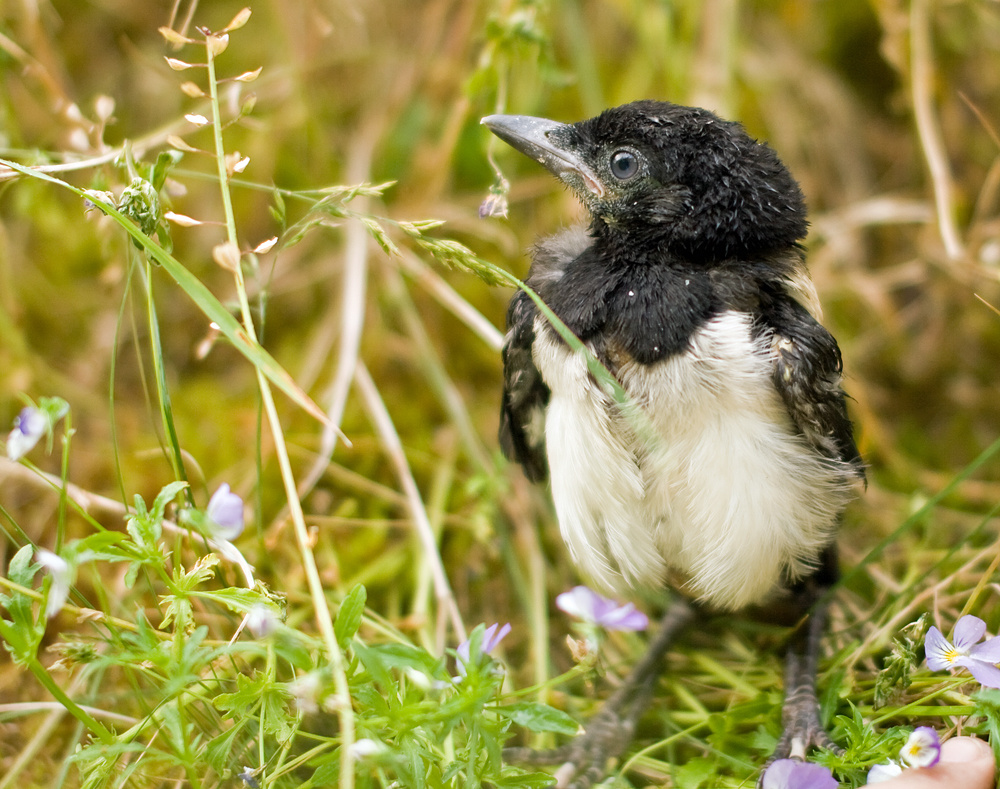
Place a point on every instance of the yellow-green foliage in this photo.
(357, 148)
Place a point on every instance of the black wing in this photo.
(525, 395)
(807, 373)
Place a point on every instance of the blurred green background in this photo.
(885, 111)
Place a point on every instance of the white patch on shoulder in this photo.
(551, 255)
(731, 499)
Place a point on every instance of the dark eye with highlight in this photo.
(624, 165)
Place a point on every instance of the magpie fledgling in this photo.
(690, 286)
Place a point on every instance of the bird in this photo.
(725, 471)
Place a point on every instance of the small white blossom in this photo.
(365, 747)
(216, 44)
(266, 246)
(179, 65)
(261, 620)
(249, 76)
(883, 772)
(62, 578)
(182, 219)
(305, 690)
(104, 108)
(227, 255)
(237, 21)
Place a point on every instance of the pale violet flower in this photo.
(225, 510)
(979, 659)
(494, 205)
(62, 578)
(922, 749)
(261, 620)
(883, 772)
(587, 605)
(491, 638)
(793, 774)
(29, 426)
(249, 777)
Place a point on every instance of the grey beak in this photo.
(546, 142)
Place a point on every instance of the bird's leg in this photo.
(800, 712)
(611, 730)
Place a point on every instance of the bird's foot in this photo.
(803, 729)
(583, 762)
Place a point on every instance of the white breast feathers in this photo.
(727, 497)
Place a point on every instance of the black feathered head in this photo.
(680, 177)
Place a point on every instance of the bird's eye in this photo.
(624, 165)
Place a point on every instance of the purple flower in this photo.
(922, 749)
(793, 774)
(883, 772)
(586, 604)
(980, 659)
(225, 510)
(494, 205)
(491, 638)
(29, 426)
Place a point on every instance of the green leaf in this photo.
(55, 408)
(102, 546)
(165, 161)
(373, 664)
(22, 570)
(164, 498)
(25, 633)
(695, 772)
(349, 616)
(403, 656)
(326, 774)
(217, 754)
(536, 716)
(517, 779)
(202, 571)
(238, 599)
(278, 211)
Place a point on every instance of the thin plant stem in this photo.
(447, 607)
(352, 315)
(921, 78)
(163, 393)
(324, 619)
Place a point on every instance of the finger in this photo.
(966, 762)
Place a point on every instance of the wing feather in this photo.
(525, 395)
(807, 375)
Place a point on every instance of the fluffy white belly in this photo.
(727, 498)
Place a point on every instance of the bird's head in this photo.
(679, 177)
